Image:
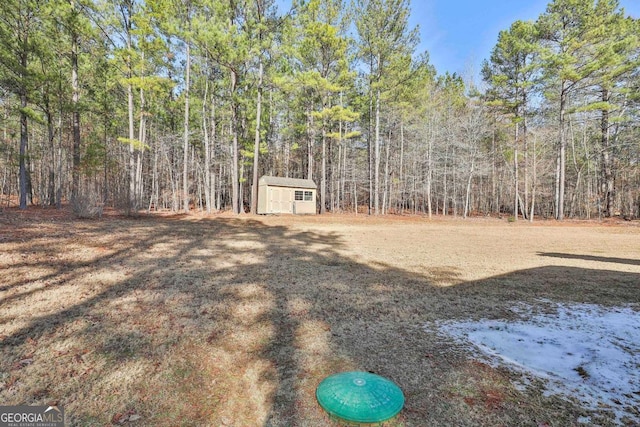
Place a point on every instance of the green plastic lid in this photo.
(360, 397)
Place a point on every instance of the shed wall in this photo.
(262, 199)
(281, 200)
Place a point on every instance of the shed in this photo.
(286, 195)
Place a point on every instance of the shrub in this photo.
(87, 204)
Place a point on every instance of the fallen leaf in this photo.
(22, 363)
(118, 418)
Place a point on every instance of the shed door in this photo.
(288, 203)
(274, 200)
(280, 200)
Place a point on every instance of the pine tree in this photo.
(510, 75)
(324, 70)
(585, 44)
(385, 36)
(20, 25)
(615, 47)
(566, 40)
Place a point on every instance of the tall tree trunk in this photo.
(467, 198)
(24, 142)
(51, 136)
(607, 159)
(401, 171)
(219, 188)
(234, 146)
(75, 100)
(331, 178)
(310, 141)
(376, 191)
(207, 148)
(212, 151)
(142, 138)
(515, 171)
(132, 200)
(561, 167)
(494, 184)
(454, 184)
(185, 165)
(155, 184)
(444, 183)
(241, 185)
(534, 182)
(386, 194)
(132, 162)
(139, 154)
(429, 169)
(342, 165)
(5, 170)
(256, 145)
(323, 179)
(370, 150)
(525, 142)
(354, 187)
(59, 164)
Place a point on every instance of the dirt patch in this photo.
(220, 320)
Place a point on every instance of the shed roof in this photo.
(287, 182)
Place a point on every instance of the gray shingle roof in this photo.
(287, 182)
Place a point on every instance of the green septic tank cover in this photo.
(360, 397)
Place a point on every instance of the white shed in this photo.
(286, 195)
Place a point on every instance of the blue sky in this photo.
(459, 34)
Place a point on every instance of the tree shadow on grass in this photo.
(591, 258)
(235, 322)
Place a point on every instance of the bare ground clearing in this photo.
(233, 321)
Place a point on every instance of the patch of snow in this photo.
(582, 350)
(584, 420)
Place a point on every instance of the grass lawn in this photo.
(234, 321)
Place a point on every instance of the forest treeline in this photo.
(183, 104)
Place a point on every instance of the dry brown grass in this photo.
(225, 321)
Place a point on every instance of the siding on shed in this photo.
(277, 195)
